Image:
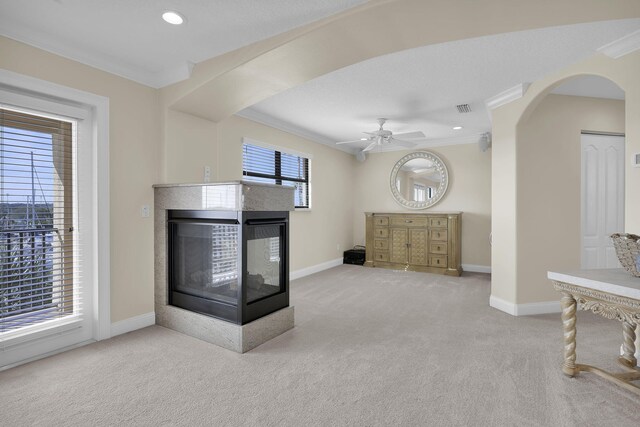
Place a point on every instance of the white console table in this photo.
(611, 293)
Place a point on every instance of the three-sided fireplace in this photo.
(232, 265)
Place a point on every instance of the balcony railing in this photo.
(30, 277)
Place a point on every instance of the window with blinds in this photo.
(36, 220)
(275, 167)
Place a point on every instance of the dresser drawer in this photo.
(381, 244)
(438, 248)
(438, 222)
(381, 256)
(408, 222)
(381, 232)
(416, 241)
(438, 260)
(381, 221)
(439, 235)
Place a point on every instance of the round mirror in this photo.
(419, 180)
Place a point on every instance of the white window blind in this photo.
(275, 167)
(37, 228)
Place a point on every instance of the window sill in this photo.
(35, 332)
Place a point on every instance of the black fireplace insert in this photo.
(230, 265)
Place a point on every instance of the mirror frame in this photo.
(440, 192)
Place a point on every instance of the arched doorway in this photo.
(570, 181)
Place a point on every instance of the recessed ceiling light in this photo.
(457, 127)
(363, 139)
(173, 17)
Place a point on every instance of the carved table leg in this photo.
(628, 357)
(569, 325)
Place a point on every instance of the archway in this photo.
(513, 289)
(550, 177)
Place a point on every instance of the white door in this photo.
(602, 198)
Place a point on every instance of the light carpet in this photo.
(370, 347)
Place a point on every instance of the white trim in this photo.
(103, 292)
(43, 355)
(430, 143)
(502, 305)
(507, 96)
(534, 308)
(472, 268)
(303, 272)
(265, 119)
(258, 117)
(110, 65)
(623, 46)
(133, 323)
(169, 76)
(528, 309)
(46, 92)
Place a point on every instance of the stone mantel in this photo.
(225, 196)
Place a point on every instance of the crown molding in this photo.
(104, 63)
(253, 115)
(430, 143)
(171, 76)
(623, 46)
(507, 96)
(265, 119)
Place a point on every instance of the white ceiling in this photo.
(418, 89)
(130, 39)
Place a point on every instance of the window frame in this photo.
(91, 111)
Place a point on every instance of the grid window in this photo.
(36, 219)
(275, 167)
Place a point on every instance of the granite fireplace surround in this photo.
(224, 196)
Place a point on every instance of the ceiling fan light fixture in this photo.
(172, 17)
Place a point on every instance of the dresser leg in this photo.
(568, 304)
(628, 357)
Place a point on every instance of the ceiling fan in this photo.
(384, 136)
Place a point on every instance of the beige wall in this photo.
(134, 133)
(510, 155)
(549, 186)
(192, 143)
(469, 192)
(315, 234)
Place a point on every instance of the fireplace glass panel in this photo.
(205, 260)
(264, 261)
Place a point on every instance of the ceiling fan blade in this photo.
(370, 146)
(407, 144)
(410, 135)
(348, 142)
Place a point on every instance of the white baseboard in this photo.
(133, 323)
(528, 309)
(502, 305)
(533, 308)
(315, 269)
(472, 268)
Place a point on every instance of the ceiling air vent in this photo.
(463, 108)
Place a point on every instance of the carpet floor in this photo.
(370, 347)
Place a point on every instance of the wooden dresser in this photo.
(428, 242)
